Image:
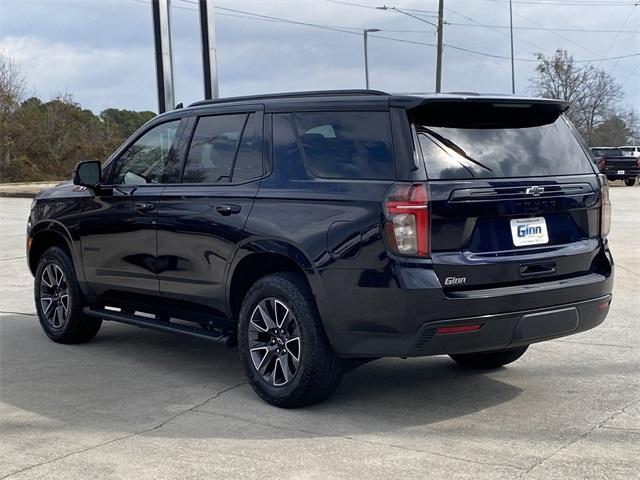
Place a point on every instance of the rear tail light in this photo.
(605, 207)
(407, 220)
(637, 162)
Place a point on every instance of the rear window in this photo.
(346, 145)
(524, 150)
(612, 152)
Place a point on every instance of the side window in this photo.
(213, 148)
(347, 145)
(144, 161)
(248, 163)
(286, 154)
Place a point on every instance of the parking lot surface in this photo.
(147, 405)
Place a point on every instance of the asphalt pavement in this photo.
(138, 404)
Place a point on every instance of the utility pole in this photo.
(209, 55)
(439, 47)
(366, 32)
(513, 71)
(161, 10)
(439, 30)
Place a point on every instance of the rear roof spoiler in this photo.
(411, 102)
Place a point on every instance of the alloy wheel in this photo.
(274, 342)
(54, 296)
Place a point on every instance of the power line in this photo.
(624, 24)
(499, 31)
(258, 16)
(455, 47)
(579, 30)
(579, 3)
(624, 50)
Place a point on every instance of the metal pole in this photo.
(209, 55)
(439, 47)
(366, 32)
(366, 61)
(161, 10)
(513, 71)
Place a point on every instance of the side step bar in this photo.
(216, 335)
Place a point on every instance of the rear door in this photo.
(513, 194)
(203, 211)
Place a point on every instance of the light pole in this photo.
(439, 47)
(513, 71)
(439, 32)
(366, 32)
(209, 54)
(161, 12)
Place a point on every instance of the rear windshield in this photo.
(470, 151)
(611, 152)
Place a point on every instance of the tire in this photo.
(277, 309)
(489, 360)
(59, 301)
(630, 182)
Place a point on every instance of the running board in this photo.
(216, 335)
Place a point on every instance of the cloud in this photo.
(102, 50)
(98, 78)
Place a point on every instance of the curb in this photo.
(18, 194)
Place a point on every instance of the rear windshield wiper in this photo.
(448, 143)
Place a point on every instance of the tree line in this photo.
(43, 140)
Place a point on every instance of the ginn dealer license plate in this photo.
(529, 231)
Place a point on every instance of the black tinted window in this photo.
(144, 161)
(352, 145)
(213, 148)
(248, 163)
(613, 153)
(538, 150)
(286, 154)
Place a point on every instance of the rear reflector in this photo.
(458, 329)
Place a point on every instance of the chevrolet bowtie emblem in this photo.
(535, 191)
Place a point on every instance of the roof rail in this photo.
(268, 96)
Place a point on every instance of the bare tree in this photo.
(11, 91)
(11, 83)
(594, 94)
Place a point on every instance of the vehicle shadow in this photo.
(129, 378)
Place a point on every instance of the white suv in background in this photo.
(630, 150)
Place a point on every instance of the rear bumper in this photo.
(496, 332)
(398, 312)
(628, 173)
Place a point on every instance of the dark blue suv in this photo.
(319, 230)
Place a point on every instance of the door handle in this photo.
(144, 207)
(227, 209)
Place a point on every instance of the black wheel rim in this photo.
(54, 296)
(274, 342)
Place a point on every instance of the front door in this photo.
(118, 228)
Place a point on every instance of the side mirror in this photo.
(87, 174)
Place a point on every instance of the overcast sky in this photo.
(101, 51)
